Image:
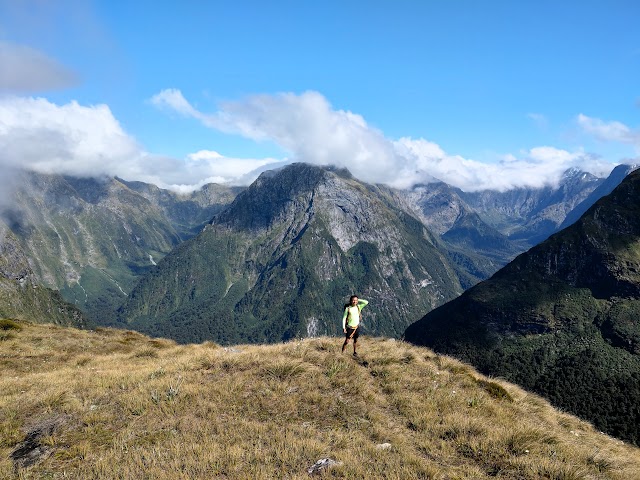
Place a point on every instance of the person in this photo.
(351, 322)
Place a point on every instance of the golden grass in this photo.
(129, 407)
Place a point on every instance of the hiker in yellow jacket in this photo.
(351, 322)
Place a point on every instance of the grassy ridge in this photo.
(117, 404)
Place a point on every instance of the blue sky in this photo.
(481, 94)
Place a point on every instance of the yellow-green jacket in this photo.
(351, 316)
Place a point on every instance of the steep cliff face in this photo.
(284, 257)
(20, 295)
(89, 239)
(563, 318)
(92, 239)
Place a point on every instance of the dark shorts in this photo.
(350, 333)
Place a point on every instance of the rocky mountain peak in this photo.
(575, 173)
(273, 196)
(289, 249)
(293, 195)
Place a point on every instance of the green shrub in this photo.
(8, 324)
(283, 371)
(495, 390)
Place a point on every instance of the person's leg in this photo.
(344, 345)
(355, 346)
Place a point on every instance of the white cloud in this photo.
(24, 69)
(62, 139)
(304, 125)
(88, 141)
(312, 131)
(172, 99)
(609, 131)
(537, 167)
(224, 167)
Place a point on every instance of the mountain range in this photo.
(562, 318)
(92, 239)
(281, 259)
(277, 260)
(485, 230)
(95, 239)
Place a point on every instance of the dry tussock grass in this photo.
(134, 407)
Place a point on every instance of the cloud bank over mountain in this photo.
(73, 139)
(83, 140)
(309, 129)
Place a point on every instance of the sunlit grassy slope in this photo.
(112, 404)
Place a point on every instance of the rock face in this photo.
(561, 319)
(283, 258)
(92, 239)
(20, 295)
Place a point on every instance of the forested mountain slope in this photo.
(562, 319)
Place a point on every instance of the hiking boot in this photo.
(355, 354)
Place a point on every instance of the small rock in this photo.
(322, 464)
(30, 451)
(383, 446)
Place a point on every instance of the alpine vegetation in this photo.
(110, 404)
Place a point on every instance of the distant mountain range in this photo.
(563, 318)
(485, 230)
(94, 240)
